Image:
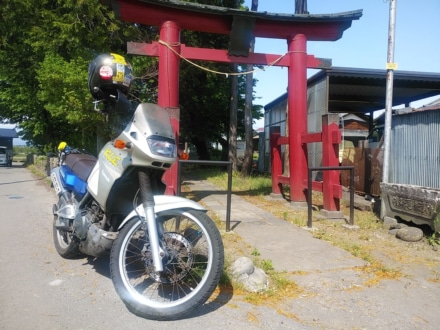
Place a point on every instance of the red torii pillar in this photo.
(168, 90)
(297, 104)
(168, 95)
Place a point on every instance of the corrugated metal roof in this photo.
(364, 90)
(357, 90)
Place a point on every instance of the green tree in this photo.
(248, 155)
(205, 96)
(46, 47)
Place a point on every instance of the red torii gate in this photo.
(173, 16)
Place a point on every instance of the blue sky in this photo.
(364, 44)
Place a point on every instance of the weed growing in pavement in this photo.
(434, 240)
(436, 277)
(255, 252)
(266, 265)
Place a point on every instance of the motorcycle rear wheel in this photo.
(192, 268)
(65, 243)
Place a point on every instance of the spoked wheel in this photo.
(192, 262)
(65, 243)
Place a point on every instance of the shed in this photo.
(350, 91)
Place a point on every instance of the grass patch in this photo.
(256, 185)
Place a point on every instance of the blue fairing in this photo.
(71, 181)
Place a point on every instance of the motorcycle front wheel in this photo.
(192, 265)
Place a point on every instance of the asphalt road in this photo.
(41, 290)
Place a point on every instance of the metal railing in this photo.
(228, 191)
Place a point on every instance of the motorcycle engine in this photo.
(84, 218)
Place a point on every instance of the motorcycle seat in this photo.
(81, 164)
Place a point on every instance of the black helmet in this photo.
(109, 73)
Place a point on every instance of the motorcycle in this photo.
(166, 254)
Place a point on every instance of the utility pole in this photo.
(391, 66)
(301, 7)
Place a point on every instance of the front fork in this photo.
(153, 229)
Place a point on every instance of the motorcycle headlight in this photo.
(162, 146)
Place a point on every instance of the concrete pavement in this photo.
(337, 291)
(289, 247)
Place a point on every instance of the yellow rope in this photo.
(169, 46)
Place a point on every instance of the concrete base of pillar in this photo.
(276, 196)
(332, 215)
(310, 228)
(351, 227)
(299, 206)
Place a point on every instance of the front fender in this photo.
(164, 203)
